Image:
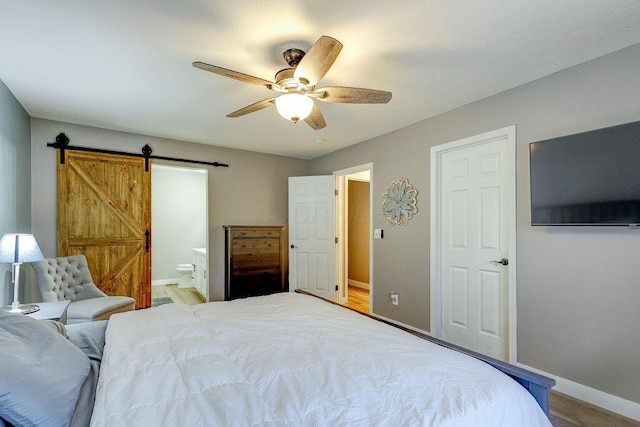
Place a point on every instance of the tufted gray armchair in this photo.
(69, 278)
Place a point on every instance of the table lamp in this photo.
(17, 249)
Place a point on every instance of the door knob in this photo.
(503, 261)
(293, 246)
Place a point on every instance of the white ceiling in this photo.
(126, 65)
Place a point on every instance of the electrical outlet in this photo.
(394, 298)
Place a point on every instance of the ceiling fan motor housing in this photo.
(286, 80)
(293, 56)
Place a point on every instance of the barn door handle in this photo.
(503, 261)
(146, 236)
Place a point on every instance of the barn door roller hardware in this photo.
(62, 143)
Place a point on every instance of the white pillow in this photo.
(41, 373)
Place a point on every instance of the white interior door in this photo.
(475, 212)
(312, 259)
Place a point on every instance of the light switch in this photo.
(378, 233)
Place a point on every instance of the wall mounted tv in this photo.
(590, 178)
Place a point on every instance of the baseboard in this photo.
(201, 294)
(590, 395)
(161, 282)
(357, 284)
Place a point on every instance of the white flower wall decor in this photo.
(399, 202)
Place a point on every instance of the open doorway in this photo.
(179, 235)
(354, 254)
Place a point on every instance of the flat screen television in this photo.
(590, 178)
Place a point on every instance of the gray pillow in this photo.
(41, 373)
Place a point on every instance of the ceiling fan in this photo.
(297, 85)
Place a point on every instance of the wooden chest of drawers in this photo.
(254, 261)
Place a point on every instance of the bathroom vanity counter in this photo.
(200, 266)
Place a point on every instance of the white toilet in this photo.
(186, 275)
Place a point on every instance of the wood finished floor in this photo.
(358, 299)
(181, 295)
(567, 411)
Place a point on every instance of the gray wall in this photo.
(15, 179)
(179, 218)
(252, 191)
(578, 288)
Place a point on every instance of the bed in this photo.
(291, 359)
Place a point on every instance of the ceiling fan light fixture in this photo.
(294, 106)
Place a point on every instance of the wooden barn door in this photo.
(104, 213)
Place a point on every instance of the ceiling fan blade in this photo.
(352, 95)
(253, 107)
(315, 63)
(316, 119)
(234, 74)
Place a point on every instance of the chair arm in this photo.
(89, 290)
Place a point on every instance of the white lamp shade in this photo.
(294, 106)
(18, 248)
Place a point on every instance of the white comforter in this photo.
(292, 360)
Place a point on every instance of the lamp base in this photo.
(21, 308)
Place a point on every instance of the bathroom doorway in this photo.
(179, 256)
